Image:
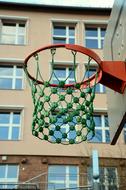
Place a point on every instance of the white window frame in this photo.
(67, 36)
(17, 21)
(67, 182)
(98, 25)
(103, 128)
(7, 180)
(10, 125)
(13, 77)
(66, 67)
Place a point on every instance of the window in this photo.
(125, 132)
(13, 32)
(63, 176)
(64, 34)
(94, 36)
(99, 87)
(108, 178)
(61, 73)
(101, 129)
(11, 77)
(10, 125)
(8, 176)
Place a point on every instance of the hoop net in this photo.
(63, 113)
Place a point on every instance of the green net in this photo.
(62, 114)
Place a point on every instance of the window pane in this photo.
(73, 173)
(6, 70)
(5, 83)
(125, 136)
(71, 73)
(9, 28)
(21, 28)
(71, 31)
(12, 172)
(103, 30)
(15, 133)
(59, 30)
(19, 71)
(92, 32)
(91, 43)
(58, 41)
(4, 118)
(60, 186)
(2, 171)
(4, 133)
(107, 136)
(18, 84)
(8, 39)
(97, 137)
(20, 39)
(97, 119)
(90, 72)
(60, 72)
(71, 41)
(16, 118)
(106, 121)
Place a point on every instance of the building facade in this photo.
(24, 158)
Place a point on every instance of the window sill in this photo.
(12, 89)
(13, 44)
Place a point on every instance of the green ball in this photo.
(47, 98)
(61, 97)
(53, 120)
(89, 90)
(69, 118)
(72, 128)
(51, 132)
(58, 140)
(82, 108)
(78, 133)
(69, 105)
(46, 114)
(61, 84)
(35, 133)
(54, 90)
(40, 122)
(41, 94)
(64, 135)
(88, 116)
(69, 90)
(46, 125)
(57, 128)
(71, 141)
(82, 95)
(75, 99)
(45, 137)
(87, 103)
(77, 86)
(40, 129)
(46, 84)
(78, 119)
(34, 89)
(83, 121)
(42, 116)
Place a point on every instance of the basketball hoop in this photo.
(63, 112)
